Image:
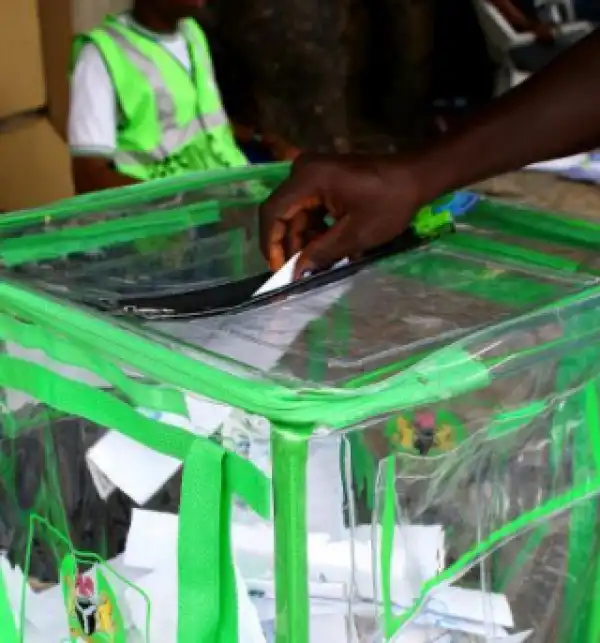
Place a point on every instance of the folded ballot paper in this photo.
(335, 566)
(116, 461)
(579, 167)
(143, 582)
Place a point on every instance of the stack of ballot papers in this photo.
(341, 576)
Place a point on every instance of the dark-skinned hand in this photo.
(370, 199)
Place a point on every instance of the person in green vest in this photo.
(144, 101)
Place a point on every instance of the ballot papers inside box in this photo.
(400, 449)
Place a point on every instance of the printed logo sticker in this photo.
(425, 432)
(91, 604)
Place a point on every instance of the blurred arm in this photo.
(554, 113)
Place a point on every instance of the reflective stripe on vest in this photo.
(173, 137)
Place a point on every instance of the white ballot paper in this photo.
(117, 461)
(285, 275)
(336, 569)
(579, 167)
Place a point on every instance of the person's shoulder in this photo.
(192, 26)
(90, 59)
(90, 51)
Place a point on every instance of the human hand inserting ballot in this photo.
(373, 199)
(370, 199)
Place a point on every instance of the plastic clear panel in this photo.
(520, 221)
(554, 254)
(184, 238)
(499, 345)
(495, 529)
(396, 310)
(200, 257)
(481, 502)
(331, 543)
(52, 511)
(86, 556)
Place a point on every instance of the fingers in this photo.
(293, 199)
(340, 241)
(274, 251)
(304, 228)
(297, 230)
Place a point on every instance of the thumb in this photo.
(328, 248)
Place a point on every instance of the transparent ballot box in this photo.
(404, 448)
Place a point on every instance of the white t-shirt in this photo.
(94, 112)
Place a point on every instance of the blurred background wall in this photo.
(87, 13)
(339, 74)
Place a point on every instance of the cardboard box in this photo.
(22, 85)
(35, 166)
(56, 38)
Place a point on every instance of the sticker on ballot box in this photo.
(425, 432)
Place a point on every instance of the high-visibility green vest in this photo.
(171, 121)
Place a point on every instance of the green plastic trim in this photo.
(134, 195)
(8, 627)
(304, 409)
(579, 493)
(207, 601)
(489, 248)
(141, 394)
(583, 525)
(594, 620)
(592, 420)
(534, 224)
(289, 456)
(448, 371)
(490, 283)
(51, 245)
(388, 519)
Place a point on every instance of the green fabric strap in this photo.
(207, 600)
(207, 610)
